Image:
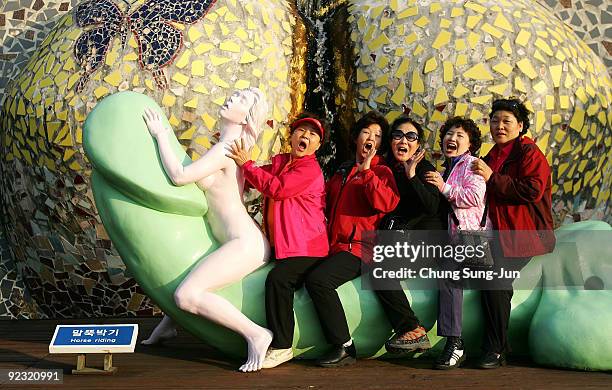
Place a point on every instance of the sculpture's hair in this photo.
(256, 117)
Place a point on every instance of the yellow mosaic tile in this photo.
(193, 103)
(540, 120)
(230, 46)
(460, 90)
(412, 37)
(168, 100)
(456, 11)
(209, 121)
(555, 73)
(475, 7)
(417, 85)
(473, 39)
(418, 109)
(382, 62)
(401, 70)
(490, 52)
(216, 60)
(478, 72)
(180, 78)
(448, 71)
(484, 99)
(519, 85)
(476, 115)
(540, 87)
(492, 30)
(550, 102)
(441, 96)
(461, 60)
(503, 23)
(442, 39)
(381, 98)
(430, 65)
(378, 42)
(422, 22)
(461, 109)
(542, 45)
(385, 22)
(523, 38)
(460, 44)
(527, 68)
(412, 11)
(382, 80)
(577, 120)
(499, 89)
(399, 95)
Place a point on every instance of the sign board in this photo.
(83, 339)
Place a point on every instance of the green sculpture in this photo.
(161, 230)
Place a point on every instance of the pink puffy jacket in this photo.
(298, 191)
(465, 192)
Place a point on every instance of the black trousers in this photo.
(283, 280)
(333, 272)
(496, 304)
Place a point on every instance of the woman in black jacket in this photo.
(420, 208)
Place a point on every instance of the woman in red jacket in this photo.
(294, 221)
(358, 197)
(519, 195)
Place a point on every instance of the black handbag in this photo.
(476, 238)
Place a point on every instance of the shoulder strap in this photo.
(483, 221)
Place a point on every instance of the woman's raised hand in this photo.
(481, 168)
(433, 177)
(367, 161)
(154, 123)
(238, 153)
(411, 164)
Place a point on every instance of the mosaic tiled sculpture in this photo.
(199, 51)
(438, 58)
(161, 230)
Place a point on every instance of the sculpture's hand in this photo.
(154, 123)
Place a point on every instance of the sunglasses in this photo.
(397, 135)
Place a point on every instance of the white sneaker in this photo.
(275, 357)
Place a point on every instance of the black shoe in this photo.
(491, 360)
(452, 356)
(400, 344)
(339, 356)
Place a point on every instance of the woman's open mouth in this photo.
(450, 147)
(401, 150)
(302, 145)
(368, 146)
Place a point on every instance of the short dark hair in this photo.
(514, 106)
(307, 114)
(400, 120)
(470, 128)
(370, 118)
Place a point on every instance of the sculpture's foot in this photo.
(164, 331)
(257, 347)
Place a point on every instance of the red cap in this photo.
(312, 122)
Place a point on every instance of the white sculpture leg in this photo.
(229, 263)
(165, 330)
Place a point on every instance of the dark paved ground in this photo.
(187, 363)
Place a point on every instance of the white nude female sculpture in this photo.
(243, 248)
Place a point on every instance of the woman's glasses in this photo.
(397, 135)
